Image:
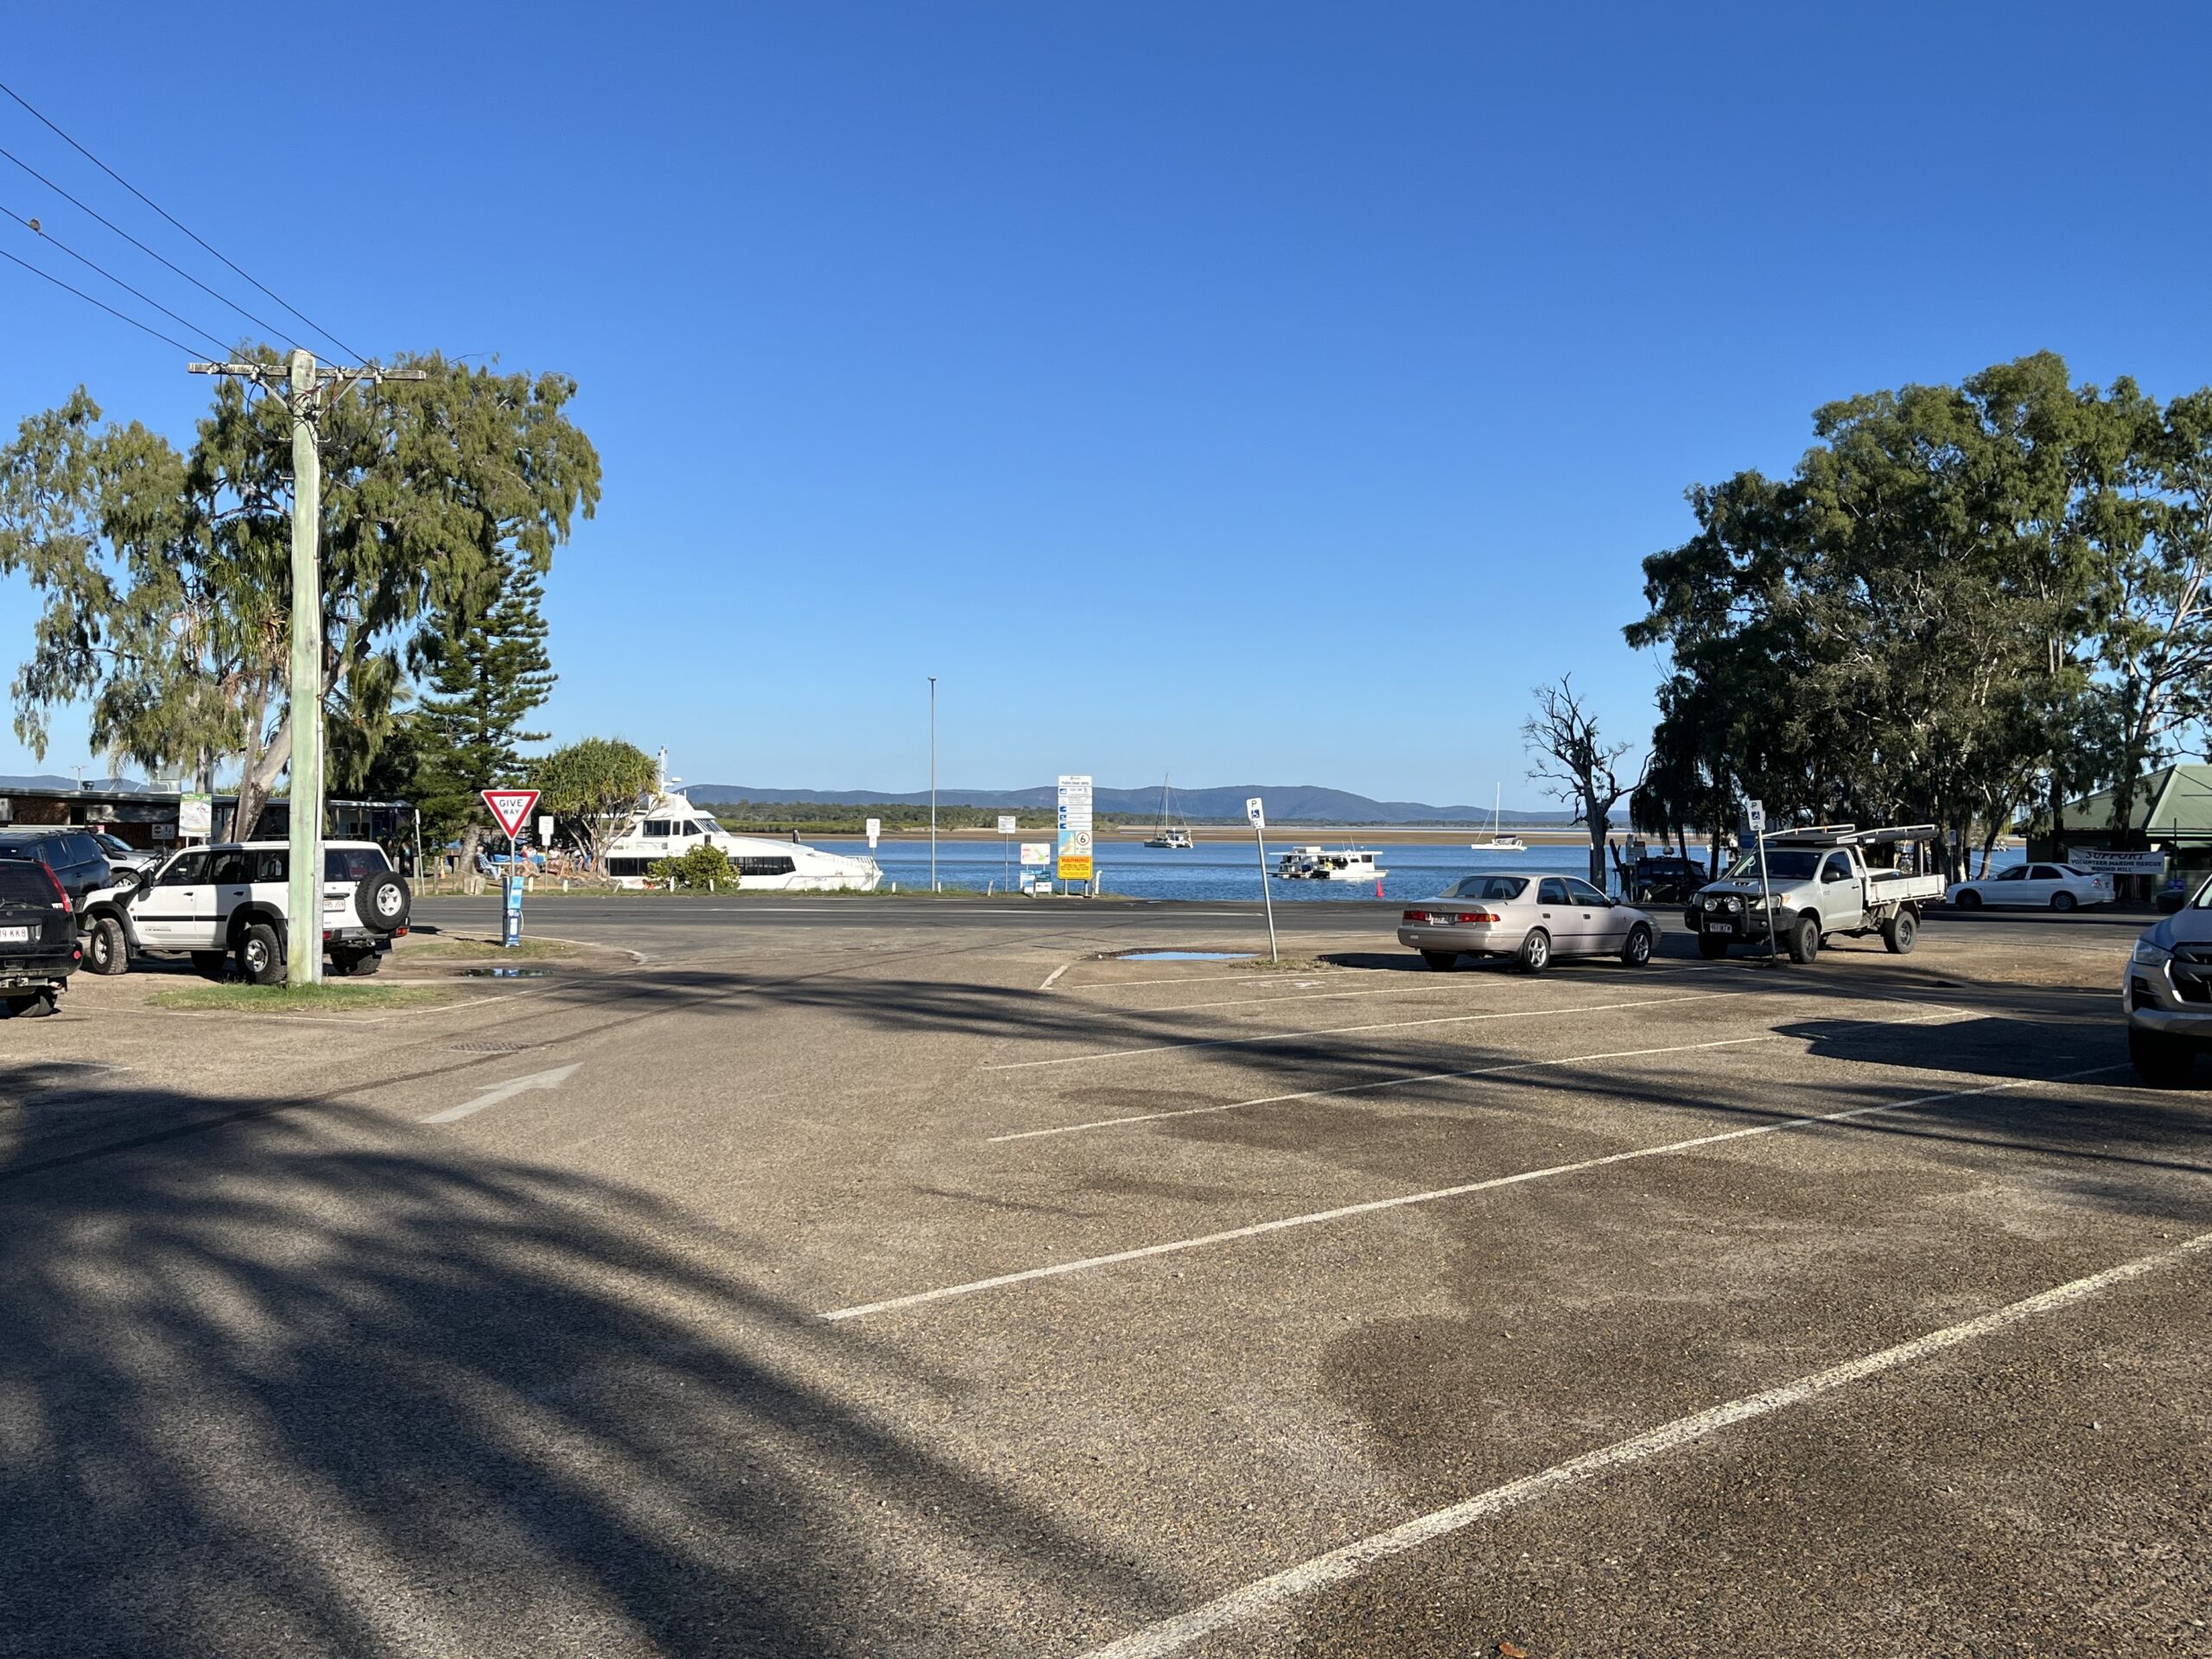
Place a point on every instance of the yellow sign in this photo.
(1075, 866)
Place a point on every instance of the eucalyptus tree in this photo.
(164, 575)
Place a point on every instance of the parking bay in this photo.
(1410, 1238)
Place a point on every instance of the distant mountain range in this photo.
(1287, 803)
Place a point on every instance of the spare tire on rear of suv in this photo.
(382, 901)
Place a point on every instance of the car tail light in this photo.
(60, 892)
(1468, 916)
(1416, 917)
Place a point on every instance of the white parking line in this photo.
(1383, 1083)
(1054, 975)
(1428, 1077)
(1376, 1205)
(1267, 1594)
(1339, 1030)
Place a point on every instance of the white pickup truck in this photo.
(1819, 882)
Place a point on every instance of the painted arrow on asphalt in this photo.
(553, 1079)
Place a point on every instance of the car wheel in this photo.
(1967, 901)
(1636, 950)
(261, 959)
(355, 965)
(2063, 901)
(36, 1006)
(2160, 1061)
(1535, 953)
(208, 964)
(106, 950)
(383, 901)
(1899, 935)
(1442, 961)
(1804, 939)
(1710, 947)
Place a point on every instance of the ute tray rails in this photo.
(1849, 834)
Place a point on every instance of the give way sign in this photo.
(511, 807)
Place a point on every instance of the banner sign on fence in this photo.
(1074, 845)
(2150, 863)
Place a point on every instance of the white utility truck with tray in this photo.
(1828, 879)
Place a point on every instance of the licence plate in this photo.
(1720, 927)
(14, 936)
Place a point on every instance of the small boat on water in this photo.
(1499, 841)
(1319, 864)
(1170, 835)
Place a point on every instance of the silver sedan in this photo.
(1531, 918)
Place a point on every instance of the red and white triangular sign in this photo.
(511, 807)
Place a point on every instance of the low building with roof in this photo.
(146, 817)
(2171, 815)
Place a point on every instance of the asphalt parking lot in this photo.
(898, 1277)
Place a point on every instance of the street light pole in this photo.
(933, 887)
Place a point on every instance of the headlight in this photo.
(1712, 904)
(2150, 954)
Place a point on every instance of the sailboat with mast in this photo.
(1170, 835)
(1499, 841)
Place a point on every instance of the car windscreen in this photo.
(1499, 889)
(352, 863)
(1782, 864)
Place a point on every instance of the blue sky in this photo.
(1270, 392)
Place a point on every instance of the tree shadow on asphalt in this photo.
(309, 1382)
(1945, 1088)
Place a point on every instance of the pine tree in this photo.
(483, 670)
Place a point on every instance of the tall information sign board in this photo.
(1074, 849)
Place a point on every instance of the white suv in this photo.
(228, 901)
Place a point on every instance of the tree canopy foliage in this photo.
(1966, 602)
(165, 575)
(595, 786)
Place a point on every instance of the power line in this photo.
(38, 230)
(172, 219)
(103, 304)
(257, 321)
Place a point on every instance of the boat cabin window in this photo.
(706, 826)
(764, 866)
(656, 826)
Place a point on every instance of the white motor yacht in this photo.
(1319, 864)
(672, 826)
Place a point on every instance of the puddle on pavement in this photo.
(502, 973)
(1184, 956)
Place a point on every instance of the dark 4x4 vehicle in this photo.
(75, 856)
(1661, 879)
(38, 937)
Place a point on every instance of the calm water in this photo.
(1225, 867)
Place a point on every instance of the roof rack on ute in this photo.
(1850, 835)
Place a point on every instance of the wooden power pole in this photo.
(307, 390)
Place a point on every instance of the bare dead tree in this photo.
(1574, 764)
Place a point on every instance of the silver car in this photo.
(1531, 918)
